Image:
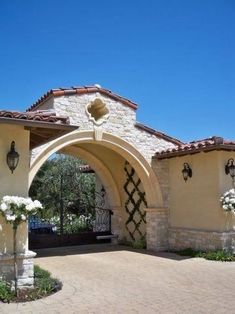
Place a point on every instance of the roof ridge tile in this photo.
(62, 91)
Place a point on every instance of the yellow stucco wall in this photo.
(16, 183)
(195, 204)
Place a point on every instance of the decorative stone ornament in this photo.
(98, 133)
(97, 111)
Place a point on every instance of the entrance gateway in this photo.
(116, 147)
(139, 168)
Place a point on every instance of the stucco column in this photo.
(15, 184)
(157, 228)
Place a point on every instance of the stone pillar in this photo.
(157, 228)
(25, 268)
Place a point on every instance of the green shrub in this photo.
(44, 285)
(41, 273)
(6, 295)
(43, 282)
(74, 223)
(221, 255)
(140, 243)
(137, 244)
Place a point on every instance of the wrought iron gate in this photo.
(83, 228)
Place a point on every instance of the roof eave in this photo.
(35, 123)
(40, 132)
(158, 134)
(223, 147)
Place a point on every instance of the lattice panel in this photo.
(135, 203)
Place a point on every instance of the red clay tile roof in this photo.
(205, 145)
(41, 116)
(158, 134)
(43, 126)
(80, 90)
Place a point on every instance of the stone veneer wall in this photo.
(25, 268)
(201, 240)
(157, 220)
(157, 229)
(121, 122)
(161, 169)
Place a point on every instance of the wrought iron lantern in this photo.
(12, 158)
(186, 172)
(230, 168)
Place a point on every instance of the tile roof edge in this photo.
(80, 91)
(191, 151)
(34, 116)
(158, 134)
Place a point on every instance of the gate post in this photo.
(117, 222)
(157, 228)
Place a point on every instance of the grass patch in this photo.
(137, 244)
(221, 255)
(140, 244)
(44, 285)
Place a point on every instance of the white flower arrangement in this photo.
(228, 201)
(16, 209)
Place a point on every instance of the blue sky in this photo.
(175, 58)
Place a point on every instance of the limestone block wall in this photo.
(157, 229)
(161, 169)
(25, 268)
(180, 238)
(121, 121)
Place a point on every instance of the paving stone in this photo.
(121, 280)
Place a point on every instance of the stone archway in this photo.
(83, 144)
(116, 144)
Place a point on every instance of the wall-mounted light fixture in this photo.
(187, 171)
(12, 158)
(230, 168)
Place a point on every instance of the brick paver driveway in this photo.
(114, 279)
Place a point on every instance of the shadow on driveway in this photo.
(100, 248)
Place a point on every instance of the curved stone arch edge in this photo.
(116, 144)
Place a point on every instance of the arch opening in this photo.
(127, 177)
(115, 144)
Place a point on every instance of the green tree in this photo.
(62, 188)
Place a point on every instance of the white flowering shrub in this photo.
(16, 209)
(73, 223)
(228, 201)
